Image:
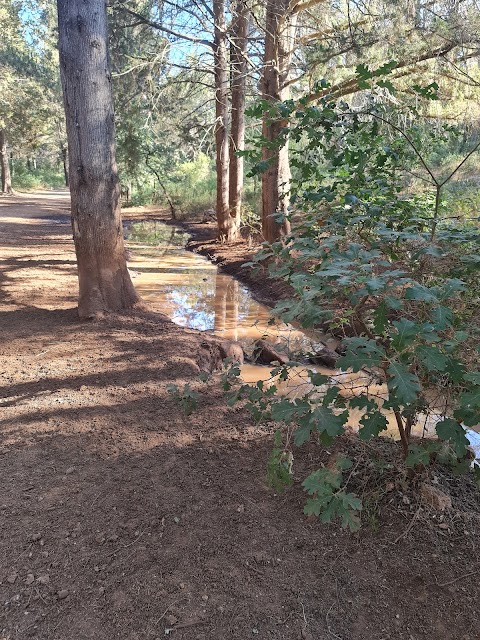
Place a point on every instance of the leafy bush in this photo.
(383, 270)
(44, 177)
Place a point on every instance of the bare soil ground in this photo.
(121, 518)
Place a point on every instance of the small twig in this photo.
(412, 522)
(465, 575)
(167, 610)
(185, 625)
(125, 546)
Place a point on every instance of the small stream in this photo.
(195, 294)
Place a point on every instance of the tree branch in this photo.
(171, 32)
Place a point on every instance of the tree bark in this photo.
(65, 164)
(280, 31)
(226, 230)
(238, 66)
(4, 164)
(104, 281)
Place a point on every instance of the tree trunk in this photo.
(279, 40)
(65, 164)
(104, 281)
(238, 65)
(4, 165)
(225, 221)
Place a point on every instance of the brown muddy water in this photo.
(195, 294)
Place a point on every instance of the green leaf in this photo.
(372, 424)
(361, 353)
(286, 410)
(406, 333)
(403, 385)
(318, 379)
(362, 402)
(323, 421)
(417, 455)
(473, 376)
(431, 358)
(380, 318)
(452, 431)
(442, 317)
(420, 293)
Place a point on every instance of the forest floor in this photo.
(121, 518)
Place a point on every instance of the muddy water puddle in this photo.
(194, 294)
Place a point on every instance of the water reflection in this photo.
(193, 293)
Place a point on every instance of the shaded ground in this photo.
(123, 518)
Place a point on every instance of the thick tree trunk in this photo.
(65, 164)
(225, 222)
(104, 280)
(4, 165)
(279, 41)
(238, 65)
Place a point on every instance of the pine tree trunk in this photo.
(4, 164)
(225, 223)
(238, 65)
(279, 41)
(104, 281)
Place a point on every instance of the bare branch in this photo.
(171, 32)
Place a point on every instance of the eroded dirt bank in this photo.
(120, 517)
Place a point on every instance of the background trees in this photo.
(184, 72)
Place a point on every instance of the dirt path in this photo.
(120, 517)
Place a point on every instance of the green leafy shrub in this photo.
(385, 270)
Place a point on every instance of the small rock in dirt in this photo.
(62, 594)
(435, 498)
(325, 357)
(36, 537)
(406, 500)
(171, 619)
(205, 597)
(241, 508)
(70, 470)
(30, 579)
(443, 525)
(100, 539)
(43, 579)
(264, 353)
(261, 557)
(12, 578)
(83, 388)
